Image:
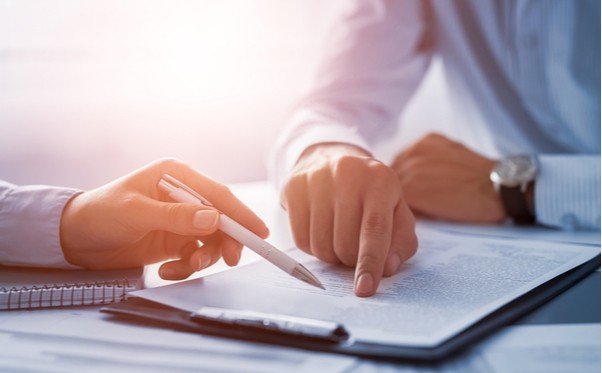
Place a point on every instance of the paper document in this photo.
(449, 285)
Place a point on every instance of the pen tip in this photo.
(315, 282)
(305, 275)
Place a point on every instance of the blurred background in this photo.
(90, 90)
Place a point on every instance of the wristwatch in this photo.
(512, 177)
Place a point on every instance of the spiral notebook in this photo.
(25, 288)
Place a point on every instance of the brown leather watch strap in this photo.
(515, 204)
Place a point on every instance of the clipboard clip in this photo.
(327, 331)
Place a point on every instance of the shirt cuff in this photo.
(567, 191)
(30, 218)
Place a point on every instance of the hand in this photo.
(129, 222)
(443, 179)
(345, 207)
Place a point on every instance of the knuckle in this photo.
(225, 194)
(291, 187)
(345, 253)
(383, 182)
(172, 212)
(223, 190)
(321, 245)
(346, 166)
(382, 175)
(302, 242)
(369, 260)
(169, 162)
(235, 210)
(375, 224)
(416, 163)
(412, 152)
(409, 180)
(290, 191)
(325, 254)
(319, 177)
(297, 184)
(432, 137)
(378, 168)
(422, 145)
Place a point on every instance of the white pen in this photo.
(182, 193)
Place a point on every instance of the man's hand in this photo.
(130, 222)
(443, 179)
(344, 206)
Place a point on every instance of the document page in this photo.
(450, 284)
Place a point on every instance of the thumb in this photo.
(179, 218)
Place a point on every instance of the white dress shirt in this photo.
(29, 225)
(524, 75)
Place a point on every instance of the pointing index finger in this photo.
(375, 240)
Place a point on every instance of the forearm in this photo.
(30, 219)
(374, 61)
(567, 191)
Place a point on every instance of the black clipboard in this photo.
(337, 340)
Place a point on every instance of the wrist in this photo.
(530, 197)
(513, 179)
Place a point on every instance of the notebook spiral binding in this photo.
(57, 295)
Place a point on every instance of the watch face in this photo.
(514, 171)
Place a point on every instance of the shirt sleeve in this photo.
(29, 225)
(378, 53)
(567, 191)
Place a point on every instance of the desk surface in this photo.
(579, 304)
(76, 338)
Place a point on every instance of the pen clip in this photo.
(327, 331)
(170, 183)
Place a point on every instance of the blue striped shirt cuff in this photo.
(567, 191)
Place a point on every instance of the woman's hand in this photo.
(130, 222)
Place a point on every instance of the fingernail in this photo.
(365, 284)
(204, 261)
(267, 231)
(393, 263)
(165, 273)
(205, 219)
